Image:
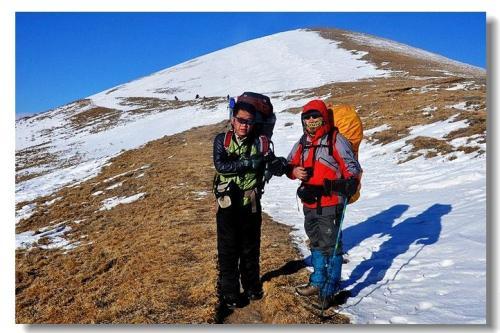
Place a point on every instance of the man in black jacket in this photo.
(240, 166)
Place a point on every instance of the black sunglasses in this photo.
(244, 121)
(313, 116)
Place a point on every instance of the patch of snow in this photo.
(457, 86)
(200, 195)
(31, 189)
(114, 186)
(472, 141)
(27, 239)
(25, 212)
(48, 203)
(460, 106)
(380, 128)
(429, 109)
(425, 89)
(438, 129)
(115, 201)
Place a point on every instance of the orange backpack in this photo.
(350, 126)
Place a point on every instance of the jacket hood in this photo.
(320, 106)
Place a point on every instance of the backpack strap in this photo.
(263, 142)
(302, 143)
(227, 139)
(332, 138)
(336, 155)
(264, 145)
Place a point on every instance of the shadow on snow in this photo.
(423, 229)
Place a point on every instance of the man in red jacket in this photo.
(324, 161)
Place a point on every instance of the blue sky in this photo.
(61, 57)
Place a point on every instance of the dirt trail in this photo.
(152, 260)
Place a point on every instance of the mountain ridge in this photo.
(65, 134)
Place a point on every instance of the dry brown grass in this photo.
(400, 103)
(33, 156)
(151, 261)
(145, 105)
(383, 58)
(66, 109)
(99, 118)
(432, 146)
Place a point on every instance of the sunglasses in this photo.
(309, 116)
(244, 121)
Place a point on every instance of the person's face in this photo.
(243, 123)
(312, 122)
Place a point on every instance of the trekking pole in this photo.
(340, 224)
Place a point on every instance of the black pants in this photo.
(238, 246)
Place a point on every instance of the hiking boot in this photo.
(230, 301)
(333, 300)
(325, 302)
(254, 295)
(307, 290)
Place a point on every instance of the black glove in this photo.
(330, 185)
(278, 166)
(252, 163)
(346, 187)
(351, 186)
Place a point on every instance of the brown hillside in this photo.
(402, 103)
(406, 63)
(153, 260)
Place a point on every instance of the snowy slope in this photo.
(407, 235)
(416, 239)
(284, 61)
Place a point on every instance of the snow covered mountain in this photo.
(424, 188)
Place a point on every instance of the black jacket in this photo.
(226, 164)
(222, 162)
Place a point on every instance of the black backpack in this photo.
(265, 119)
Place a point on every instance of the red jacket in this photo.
(316, 155)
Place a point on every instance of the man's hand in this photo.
(300, 173)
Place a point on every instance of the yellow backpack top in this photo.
(346, 119)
